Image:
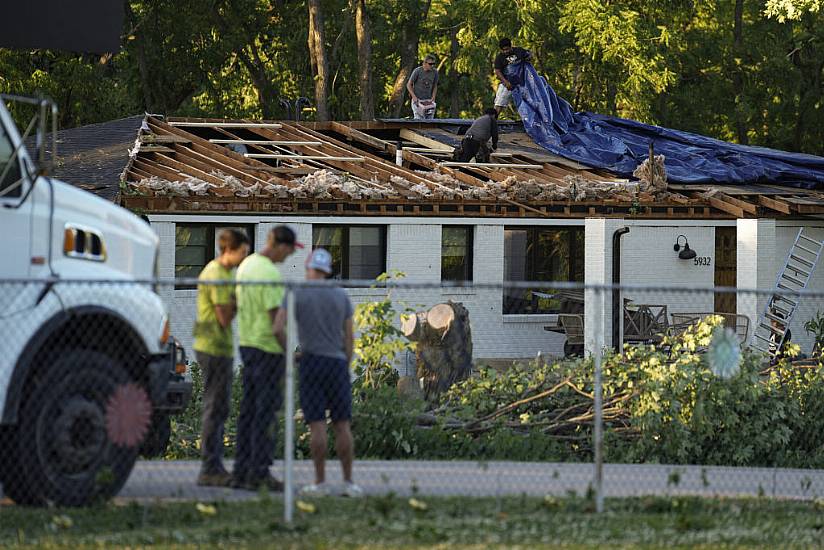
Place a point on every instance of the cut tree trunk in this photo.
(320, 64)
(444, 346)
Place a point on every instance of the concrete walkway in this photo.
(152, 480)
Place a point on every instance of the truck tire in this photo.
(160, 431)
(60, 452)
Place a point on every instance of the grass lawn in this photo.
(395, 522)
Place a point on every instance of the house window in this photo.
(358, 252)
(196, 246)
(551, 254)
(456, 253)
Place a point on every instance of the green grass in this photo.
(391, 522)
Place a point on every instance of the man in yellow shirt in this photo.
(263, 360)
(214, 348)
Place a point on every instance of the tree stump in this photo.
(444, 346)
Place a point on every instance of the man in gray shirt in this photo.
(474, 143)
(423, 87)
(326, 336)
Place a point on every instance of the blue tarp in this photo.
(620, 145)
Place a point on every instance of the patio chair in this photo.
(573, 325)
(645, 323)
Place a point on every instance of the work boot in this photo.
(271, 483)
(214, 479)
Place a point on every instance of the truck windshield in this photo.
(9, 167)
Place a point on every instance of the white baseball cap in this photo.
(321, 260)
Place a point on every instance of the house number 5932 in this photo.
(703, 260)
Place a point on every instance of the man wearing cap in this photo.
(263, 360)
(325, 333)
(214, 348)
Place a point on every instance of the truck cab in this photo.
(88, 370)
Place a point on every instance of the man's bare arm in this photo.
(503, 79)
(278, 317)
(349, 339)
(225, 313)
(411, 90)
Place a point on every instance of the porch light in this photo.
(684, 251)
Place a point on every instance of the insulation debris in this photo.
(653, 176)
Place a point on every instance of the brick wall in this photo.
(414, 248)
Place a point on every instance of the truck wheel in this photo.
(158, 437)
(60, 450)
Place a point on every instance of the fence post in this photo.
(598, 435)
(289, 409)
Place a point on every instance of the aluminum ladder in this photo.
(770, 333)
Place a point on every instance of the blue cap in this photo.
(321, 260)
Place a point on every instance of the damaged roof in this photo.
(93, 157)
(353, 168)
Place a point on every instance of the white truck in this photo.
(88, 370)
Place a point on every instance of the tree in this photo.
(320, 64)
(413, 14)
(363, 32)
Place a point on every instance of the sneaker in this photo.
(214, 479)
(351, 490)
(315, 490)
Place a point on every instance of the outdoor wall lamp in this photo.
(686, 253)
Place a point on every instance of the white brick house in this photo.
(413, 247)
(398, 215)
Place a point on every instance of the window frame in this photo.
(531, 261)
(346, 244)
(212, 230)
(470, 252)
(22, 175)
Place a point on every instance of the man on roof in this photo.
(474, 143)
(423, 87)
(505, 57)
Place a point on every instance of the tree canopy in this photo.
(750, 71)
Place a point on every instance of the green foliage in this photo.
(791, 10)
(379, 340)
(660, 406)
(815, 327)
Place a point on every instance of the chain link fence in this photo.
(415, 389)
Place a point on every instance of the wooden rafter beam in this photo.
(263, 142)
(743, 205)
(302, 157)
(486, 165)
(722, 205)
(774, 204)
(183, 123)
(357, 135)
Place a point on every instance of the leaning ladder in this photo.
(794, 276)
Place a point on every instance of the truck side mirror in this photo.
(46, 156)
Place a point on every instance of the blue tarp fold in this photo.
(620, 145)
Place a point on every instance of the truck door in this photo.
(15, 220)
(15, 230)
